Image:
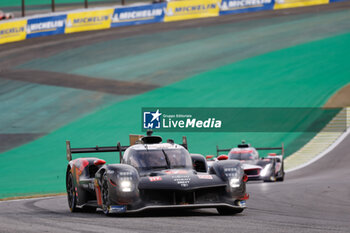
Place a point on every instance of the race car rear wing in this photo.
(117, 148)
(257, 148)
(96, 149)
(272, 148)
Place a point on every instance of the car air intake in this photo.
(252, 172)
(176, 197)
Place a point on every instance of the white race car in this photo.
(268, 169)
(6, 15)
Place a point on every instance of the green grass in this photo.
(301, 76)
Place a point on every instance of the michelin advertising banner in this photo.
(89, 20)
(138, 15)
(13, 31)
(242, 6)
(46, 26)
(282, 4)
(182, 10)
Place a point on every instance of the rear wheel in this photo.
(71, 193)
(105, 195)
(228, 211)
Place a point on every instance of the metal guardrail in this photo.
(23, 8)
(53, 6)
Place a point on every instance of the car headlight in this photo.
(266, 170)
(125, 186)
(235, 183)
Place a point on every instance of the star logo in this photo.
(152, 120)
(156, 115)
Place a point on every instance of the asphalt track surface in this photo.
(313, 199)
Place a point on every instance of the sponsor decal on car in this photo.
(115, 209)
(206, 177)
(176, 172)
(183, 181)
(242, 203)
(155, 178)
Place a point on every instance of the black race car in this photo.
(153, 175)
(268, 168)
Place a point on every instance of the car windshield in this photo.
(145, 160)
(241, 155)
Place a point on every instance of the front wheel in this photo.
(228, 211)
(105, 195)
(281, 178)
(271, 178)
(71, 193)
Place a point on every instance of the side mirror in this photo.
(223, 157)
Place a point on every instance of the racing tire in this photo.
(228, 211)
(71, 193)
(105, 195)
(271, 178)
(280, 179)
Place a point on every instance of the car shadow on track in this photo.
(156, 213)
(165, 213)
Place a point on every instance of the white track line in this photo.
(329, 149)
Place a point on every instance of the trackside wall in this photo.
(104, 18)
